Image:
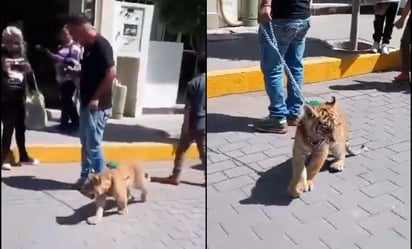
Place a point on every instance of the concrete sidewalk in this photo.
(39, 212)
(151, 137)
(367, 206)
(233, 55)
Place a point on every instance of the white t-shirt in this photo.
(72, 52)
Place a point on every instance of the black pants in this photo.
(68, 107)
(381, 33)
(12, 117)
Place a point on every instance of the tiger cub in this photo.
(322, 129)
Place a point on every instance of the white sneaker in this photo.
(375, 47)
(6, 166)
(385, 49)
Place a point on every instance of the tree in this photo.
(185, 16)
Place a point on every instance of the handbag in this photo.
(36, 114)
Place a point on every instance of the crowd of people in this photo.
(93, 75)
(290, 22)
(84, 61)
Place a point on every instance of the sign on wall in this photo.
(129, 28)
(89, 10)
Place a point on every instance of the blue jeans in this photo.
(290, 37)
(92, 124)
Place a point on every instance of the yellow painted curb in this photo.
(114, 152)
(243, 80)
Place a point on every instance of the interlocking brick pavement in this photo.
(39, 212)
(367, 206)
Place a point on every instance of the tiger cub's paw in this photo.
(296, 191)
(337, 166)
(310, 185)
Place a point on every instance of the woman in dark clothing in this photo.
(15, 72)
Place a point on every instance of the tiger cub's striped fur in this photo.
(323, 129)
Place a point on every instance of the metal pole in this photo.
(250, 10)
(353, 44)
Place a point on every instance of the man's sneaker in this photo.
(272, 125)
(6, 166)
(28, 162)
(293, 120)
(385, 49)
(375, 47)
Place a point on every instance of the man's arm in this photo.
(266, 3)
(406, 9)
(106, 84)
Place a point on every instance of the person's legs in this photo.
(21, 137)
(405, 54)
(387, 33)
(380, 10)
(181, 148)
(64, 101)
(294, 60)
(7, 118)
(200, 139)
(378, 28)
(272, 70)
(86, 164)
(183, 145)
(69, 111)
(94, 138)
(389, 21)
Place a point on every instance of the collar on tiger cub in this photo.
(316, 140)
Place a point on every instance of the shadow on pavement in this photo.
(163, 180)
(245, 46)
(123, 134)
(33, 183)
(217, 122)
(86, 211)
(271, 187)
(372, 85)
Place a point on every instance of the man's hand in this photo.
(94, 105)
(264, 14)
(399, 24)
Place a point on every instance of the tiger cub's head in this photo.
(320, 121)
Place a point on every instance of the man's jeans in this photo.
(92, 124)
(290, 37)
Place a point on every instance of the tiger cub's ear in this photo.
(309, 111)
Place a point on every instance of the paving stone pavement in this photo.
(367, 206)
(39, 212)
